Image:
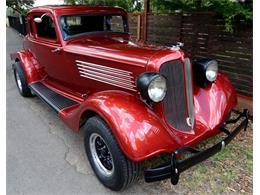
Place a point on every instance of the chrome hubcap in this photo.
(18, 80)
(101, 154)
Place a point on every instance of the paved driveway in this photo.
(43, 155)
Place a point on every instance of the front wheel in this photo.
(110, 165)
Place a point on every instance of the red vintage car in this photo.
(132, 100)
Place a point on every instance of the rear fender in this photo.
(139, 132)
(28, 63)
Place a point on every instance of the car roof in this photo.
(77, 9)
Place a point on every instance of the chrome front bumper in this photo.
(173, 168)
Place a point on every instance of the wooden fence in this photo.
(135, 27)
(204, 36)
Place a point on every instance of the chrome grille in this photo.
(178, 102)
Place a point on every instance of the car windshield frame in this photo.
(67, 37)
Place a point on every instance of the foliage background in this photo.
(20, 6)
(229, 9)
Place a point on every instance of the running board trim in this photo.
(55, 100)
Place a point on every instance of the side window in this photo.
(46, 28)
(114, 23)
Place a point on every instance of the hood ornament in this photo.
(177, 46)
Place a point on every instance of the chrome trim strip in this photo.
(104, 67)
(108, 80)
(105, 75)
(108, 75)
(108, 83)
(189, 91)
(84, 67)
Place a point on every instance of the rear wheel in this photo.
(20, 80)
(110, 165)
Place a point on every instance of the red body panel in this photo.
(29, 64)
(136, 127)
(141, 130)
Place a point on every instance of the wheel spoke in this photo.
(103, 156)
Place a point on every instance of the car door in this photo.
(48, 50)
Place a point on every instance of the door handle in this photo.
(58, 49)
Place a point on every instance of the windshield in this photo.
(76, 25)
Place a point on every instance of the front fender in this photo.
(139, 132)
(212, 106)
(214, 103)
(28, 63)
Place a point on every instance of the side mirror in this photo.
(38, 20)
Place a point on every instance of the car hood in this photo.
(114, 49)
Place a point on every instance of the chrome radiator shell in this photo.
(178, 103)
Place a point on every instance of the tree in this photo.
(129, 5)
(21, 6)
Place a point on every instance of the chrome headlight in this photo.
(212, 71)
(205, 71)
(157, 89)
(152, 86)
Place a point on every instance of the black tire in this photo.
(125, 171)
(20, 80)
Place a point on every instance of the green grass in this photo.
(220, 173)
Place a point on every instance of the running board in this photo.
(55, 100)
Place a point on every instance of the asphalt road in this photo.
(43, 155)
